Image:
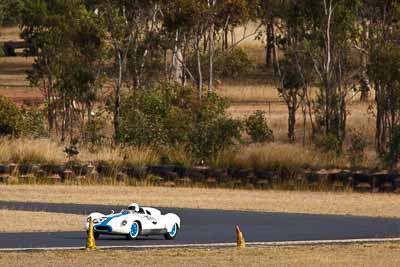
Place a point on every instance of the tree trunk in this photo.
(292, 120)
(364, 81)
(166, 64)
(269, 48)
(199, 71)
(304, 112)
(177, 59)
(226, 42)
(380, 124)
(50, 104)
(178, 67)
(64, 118)
(275, 52)
(211, 59)
(117, 104)
(70, 117)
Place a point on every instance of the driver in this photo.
(133, 207)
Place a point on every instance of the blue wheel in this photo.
(172, 234)
(135, 231)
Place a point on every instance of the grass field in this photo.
(264, 156)
(16, 222)
(380, 205)
(386, 254)
(45, 151)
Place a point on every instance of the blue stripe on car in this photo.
(106, 221)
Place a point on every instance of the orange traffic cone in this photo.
(241, 243)
(90, 244)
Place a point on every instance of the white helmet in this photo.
(134, 207)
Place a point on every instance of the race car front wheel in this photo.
(172, 234)
(96, 235)
(134, 232)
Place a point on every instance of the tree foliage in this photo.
(10, 12)
(171, 115)
(257, 128)
(10, 118)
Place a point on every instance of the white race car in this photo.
(134, 222)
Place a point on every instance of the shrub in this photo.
(10, 117)
(227, 64)
(10, 12)
(329, 143)
(171, 116)
(257, 128)
(33, 123)
(72, 151)
(232, 63)
(213, 131)
(357, 147)
(93, 134)
(142, 118)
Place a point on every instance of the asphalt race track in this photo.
(209, 226)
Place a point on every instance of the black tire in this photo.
(135, 231)
(96, 235)
(172, 234)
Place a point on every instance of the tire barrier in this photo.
(171, 175)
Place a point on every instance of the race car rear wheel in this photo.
(134, 232)
(172, 234)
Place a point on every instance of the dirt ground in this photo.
(341, 203)
(386, 254)
(39, 222)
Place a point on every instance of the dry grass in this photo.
(117, 156)
(47, 151)
(291, 156)
(340, 203)
(9, 34)
(276, 155)
(27, 150)
(386, 254)
(248, 92)
(16, 222)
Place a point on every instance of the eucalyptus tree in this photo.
(193, 26)
(69, 39)
(383, 70)
(129, 25)
(270, 14)
(292, 71)
(318, 34)
(327, 43)
(39, 28)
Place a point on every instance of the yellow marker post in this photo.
(91, 244)
(241, 243)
